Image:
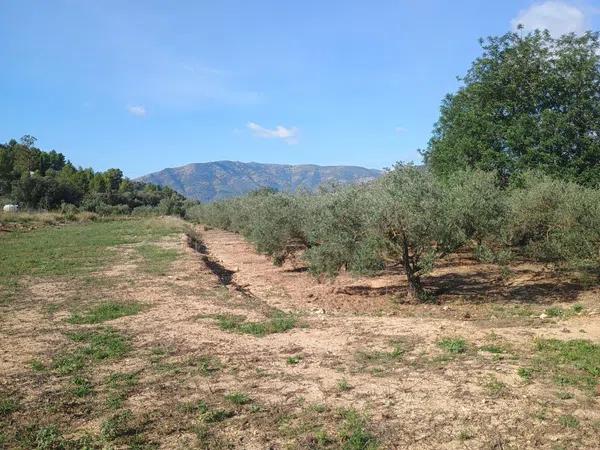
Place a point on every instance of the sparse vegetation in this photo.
(238, 398)
(453, 346)
(105, 311)
(574, 362)
(278, 323)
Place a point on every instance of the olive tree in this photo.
(555, 220)
(413, 222)
(336, 225)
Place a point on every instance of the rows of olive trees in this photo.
(409, 219)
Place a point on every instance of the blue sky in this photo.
(144, 85)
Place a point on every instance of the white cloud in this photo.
(289, 135)
(557, 17)
(137, 110)
(400, 130)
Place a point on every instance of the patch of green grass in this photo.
(574, 362)
(71, 250)
(569, 421)
(8, 405)
(293, 360)
(103, 344)
(279, 323)
(343, 385)
(81, 387)
(106, 311)
(156, 260)
(238, 398)
(100, 345)
(354, 434)
(453, 346)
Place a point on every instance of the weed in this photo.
(238, 398)
(49, 437)
(494, 386)
(554, 312)
(564, 395)
(353, 432)
(217, 415)
(318, 408)
(525, 372)
(120, 385)
(568, 421)
(575, 362)
(8, 405)
(379, 357)
(343, 385)
(577, 308)
(492, 348)
(466, 435)
(81, 387)
(198, 406)
(119, 379)
(37, 365)
(206, 365)
(106, 311)
(69, 363)
(293, 360)
(117, 425)
(453, 346)
(279, 323)
(103, 344)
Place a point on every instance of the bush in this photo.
(555, 220)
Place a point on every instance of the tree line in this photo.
(512, 169)
(411, 218)
(41, 180)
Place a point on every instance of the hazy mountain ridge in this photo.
(223, 179)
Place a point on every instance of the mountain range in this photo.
(224, 179)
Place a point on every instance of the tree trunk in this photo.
(415, 288)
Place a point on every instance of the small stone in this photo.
(543, 316)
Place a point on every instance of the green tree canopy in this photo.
(528, 102)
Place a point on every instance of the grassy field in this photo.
(115, 334)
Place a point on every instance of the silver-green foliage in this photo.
(555, 220)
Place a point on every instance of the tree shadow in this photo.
(482, 286)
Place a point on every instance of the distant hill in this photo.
(223, 179)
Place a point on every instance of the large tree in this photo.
(528, 102)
